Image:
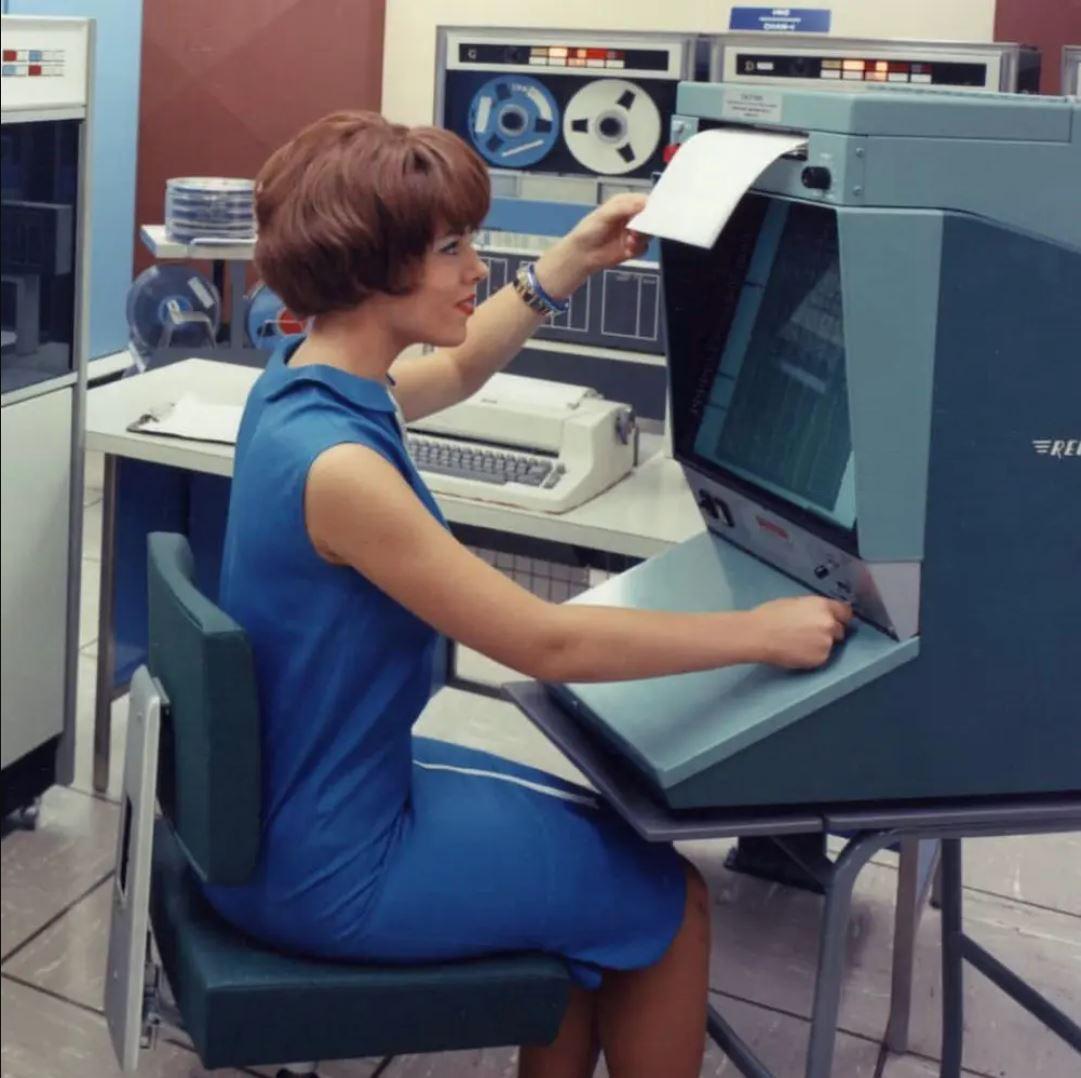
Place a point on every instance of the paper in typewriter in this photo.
(703, 183)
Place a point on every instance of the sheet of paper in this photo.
(702, 184)
(511, 389)
(192, 418)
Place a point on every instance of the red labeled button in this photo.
(10, 55)
(35, 69)
(670, 151)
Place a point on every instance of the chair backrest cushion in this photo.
(209, 781)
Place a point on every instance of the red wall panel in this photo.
(226, 83)
(1047, 24)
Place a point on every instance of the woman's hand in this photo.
(601, 239)
(799, 633)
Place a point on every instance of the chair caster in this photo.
(24, 818)
(31, 814)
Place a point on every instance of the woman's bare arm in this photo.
(361, 512)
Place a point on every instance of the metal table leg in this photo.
(806, 866)
(839, 882)
(936, 888)
(237, 278)
(918, 861)
(733, 1046)
(957, 948)
(952, 960)
(831, 947)
(106, 665)
(1022, 993)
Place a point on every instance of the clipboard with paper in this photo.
(193, 420)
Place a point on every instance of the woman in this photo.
(338, 564)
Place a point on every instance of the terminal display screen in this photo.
(769, 397)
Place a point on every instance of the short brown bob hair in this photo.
(350, 206)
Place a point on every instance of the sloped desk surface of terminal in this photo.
(675, 727)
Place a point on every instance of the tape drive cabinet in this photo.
(562, 103)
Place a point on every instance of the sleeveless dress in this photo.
(378, 845)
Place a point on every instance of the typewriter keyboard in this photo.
(483, 463)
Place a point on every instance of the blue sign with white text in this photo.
(805, 20)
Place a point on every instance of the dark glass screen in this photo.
(758, 355)
(39, 167)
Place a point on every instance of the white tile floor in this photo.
(1023, 901)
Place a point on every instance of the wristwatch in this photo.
(529, 288)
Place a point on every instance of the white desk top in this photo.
(644, 514)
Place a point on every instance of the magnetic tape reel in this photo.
(172, 305)
(267, 319)
(612, 126)
(513, 121)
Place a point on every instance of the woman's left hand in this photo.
(601, 239)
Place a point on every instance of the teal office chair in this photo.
(193, 744)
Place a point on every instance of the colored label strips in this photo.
(32, 63)
(875, 71)
(559, 56)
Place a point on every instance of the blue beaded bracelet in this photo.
(558, 306)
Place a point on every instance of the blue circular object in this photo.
(172, 304)
(513, 121)
(267, 318)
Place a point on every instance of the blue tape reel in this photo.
(267, 319)
(513, 121)
(172, 304)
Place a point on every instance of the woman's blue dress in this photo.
(377, 844)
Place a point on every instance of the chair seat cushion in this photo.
(246, 1004)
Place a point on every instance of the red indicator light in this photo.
(670, 151)
(769, 526)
